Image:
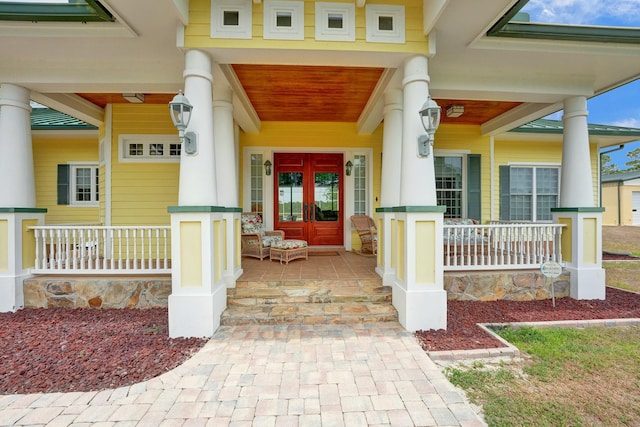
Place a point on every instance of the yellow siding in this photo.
(47, 154)
(467, 137)
(329, 136)
(611, 201)
(507, 152)
(141, 192)
(198, 34)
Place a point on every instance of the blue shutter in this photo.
(505, 195)
(64, 172)
(474, 186)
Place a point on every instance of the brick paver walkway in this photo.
(280, 375)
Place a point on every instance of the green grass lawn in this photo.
(569, 377)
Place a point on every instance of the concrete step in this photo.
(309, 302)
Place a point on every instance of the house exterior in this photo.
(285, 95)
(621, 198)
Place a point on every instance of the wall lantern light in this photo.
(267, 167)
(430, 118)
(349, 167)
(180, 110)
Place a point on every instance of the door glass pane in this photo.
(326, 196)
(290, 196)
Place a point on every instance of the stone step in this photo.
(309, 294)
(309, 313)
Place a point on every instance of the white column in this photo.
(582, 234)
(391, 149)
(390, 182)
(223, 135)
(17, 196)
(577, 181)
(197, 171)
(16, 154)
(417, 181)
(227, 176)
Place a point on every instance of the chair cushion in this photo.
(459, 221)
(251, 223)
(289, 244)
(268, 241)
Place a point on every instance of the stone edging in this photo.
(510, 350)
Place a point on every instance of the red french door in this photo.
(309, 197)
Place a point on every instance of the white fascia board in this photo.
(243, 111)
(72, 105)
(182, 8)
(372, 113)
(431, 11)
(518, 116)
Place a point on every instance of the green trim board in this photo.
(419, 209)
(545, 126)
(579, 210)
(23, 210)
(201, 209)
(73, 11)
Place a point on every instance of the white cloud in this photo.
(630, 122)
(585, 12)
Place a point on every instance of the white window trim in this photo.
(95, 170)
(463, 154)
(244, 28)
(539, 165)
(348, 13)
(124, 141)
(374, 34)
(272, 32)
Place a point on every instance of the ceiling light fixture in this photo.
(455, 110)
(136, 98)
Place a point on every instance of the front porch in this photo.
(332, 286)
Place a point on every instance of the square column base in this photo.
(12, 293)
(420, 310)
(587, 283)
(196, 315)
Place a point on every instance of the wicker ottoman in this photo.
(288, 250)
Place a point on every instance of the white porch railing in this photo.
(102, 249)
(501, 246)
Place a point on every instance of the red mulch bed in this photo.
(56, 349)
(463, 334)
(62, 350)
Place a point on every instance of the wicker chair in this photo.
(368, 233)
(255, 242)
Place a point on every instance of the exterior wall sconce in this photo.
(180, 110)
(348, 168)
(267, 167)
(430, 118)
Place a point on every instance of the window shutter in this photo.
(505, 195)
(63, 184)
(474, 186)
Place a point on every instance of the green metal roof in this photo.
(622, 176)
(545, 126)
(48, 119)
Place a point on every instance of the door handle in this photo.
(304, 212)
(312, 212)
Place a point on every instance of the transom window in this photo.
(149, 148)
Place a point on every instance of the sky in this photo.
(618, 107)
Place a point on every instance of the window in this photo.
(385, 23)
(149, 148)
(283, 20)
(449, 185)
(257, 201)
(527, 193)
(335, 21)
(78, 184)
(360, 185)
(84, 185)
(231, 19)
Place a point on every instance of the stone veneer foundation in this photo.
(508, 285)
(148, 292)
(95, 292)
